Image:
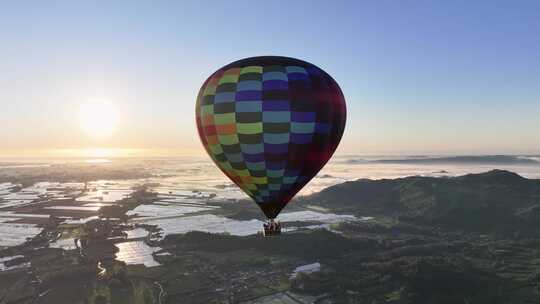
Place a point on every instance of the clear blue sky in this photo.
(419, 76)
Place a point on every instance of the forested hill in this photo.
(493, 202)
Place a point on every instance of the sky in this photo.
(419, 77)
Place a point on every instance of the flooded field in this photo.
(178, 229)
(136, 253)
(12, 234)
(189, 195)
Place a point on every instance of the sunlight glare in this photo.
(98, 118)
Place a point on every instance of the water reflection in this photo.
(135, 253)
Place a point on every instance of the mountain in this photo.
(482, 159)
(493, 202)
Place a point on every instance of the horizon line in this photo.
(138, 153)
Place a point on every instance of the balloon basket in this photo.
(272, 228)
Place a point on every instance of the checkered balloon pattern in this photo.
(270, 124)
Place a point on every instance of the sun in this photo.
(98, 118)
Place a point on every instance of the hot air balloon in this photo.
(270, 124)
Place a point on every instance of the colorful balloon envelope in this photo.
(270, 124)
